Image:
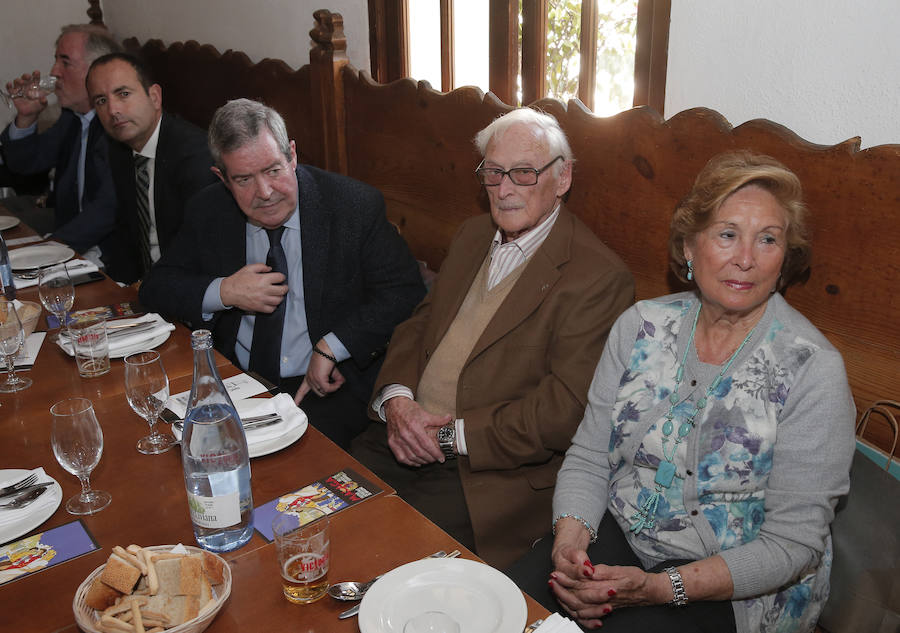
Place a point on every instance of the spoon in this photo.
(350, 590)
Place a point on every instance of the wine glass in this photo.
(57, 292)
(35, 89)
(147, 390)
(77, 444)
(12, 339)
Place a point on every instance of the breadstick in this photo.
(124, 604)
(152, 622)
(126, 616)
(138, 621)
(165, 555)
(156, 629)
(116, 623)
(152, 578)
(134, 549)
(131, 558)
(153, 615)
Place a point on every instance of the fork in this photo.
(16, 487)
(252, 422)
(24, 500)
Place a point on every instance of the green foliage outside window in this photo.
(615, 53)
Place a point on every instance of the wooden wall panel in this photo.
(198, 79)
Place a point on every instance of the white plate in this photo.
(8, 221)
(141, 346)
(272, 444)
(29, 521)
(480, 598)
(39, 255)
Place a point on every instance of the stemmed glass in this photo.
(77, 444)
(12, 339)
(57, 292)
(147, 390)
(34, 89)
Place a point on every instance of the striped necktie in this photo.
(142, 186)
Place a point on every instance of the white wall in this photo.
(27, 34)
(259, 28)
(827, 69)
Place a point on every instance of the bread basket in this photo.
(87, 618)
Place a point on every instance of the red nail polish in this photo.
(553, 575)
(611, 593)
(587, 573)
(550, 582)
(606, 610)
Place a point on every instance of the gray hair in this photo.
(541, 124)
(240, 121)
(98, 41)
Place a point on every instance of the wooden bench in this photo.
(415, 145)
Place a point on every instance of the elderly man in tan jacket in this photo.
(484, 386)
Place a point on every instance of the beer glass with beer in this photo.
(302, 544)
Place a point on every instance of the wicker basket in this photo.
(87, 618)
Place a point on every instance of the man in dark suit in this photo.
(83, 194)
(158, 162)
(349, 276)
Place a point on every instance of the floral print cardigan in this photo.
(758, 477)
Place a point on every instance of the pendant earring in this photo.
(690, 273)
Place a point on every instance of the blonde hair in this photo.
(723, 176)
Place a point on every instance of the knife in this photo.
(26, 489)
(349, 613)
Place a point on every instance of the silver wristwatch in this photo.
(446, 438)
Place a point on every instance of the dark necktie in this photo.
(265, 351)
(142, 187)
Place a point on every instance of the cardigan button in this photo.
(690, 473)
(694, 513)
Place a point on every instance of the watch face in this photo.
(446, 433)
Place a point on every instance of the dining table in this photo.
(149, 502)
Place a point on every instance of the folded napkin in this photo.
(26, 357)
(293, 419)
(124, 344)
(558, 624)
(74, 267)
(239, 387)
(51, 498)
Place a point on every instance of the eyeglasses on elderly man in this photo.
(524, 176)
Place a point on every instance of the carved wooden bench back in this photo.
(415, 145)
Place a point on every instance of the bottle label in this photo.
(215, 512)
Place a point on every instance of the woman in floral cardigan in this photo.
(718, 435)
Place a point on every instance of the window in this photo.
(611, 54)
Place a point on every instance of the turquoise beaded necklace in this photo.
(666, 471)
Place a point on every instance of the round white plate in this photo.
(39, 255)
(8, 221)
(272, 444)
(480, 598)
(29, 521)
(152, 343)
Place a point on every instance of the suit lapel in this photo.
(532, 287)
(160, 178)
(315, 244)
(66, 182)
